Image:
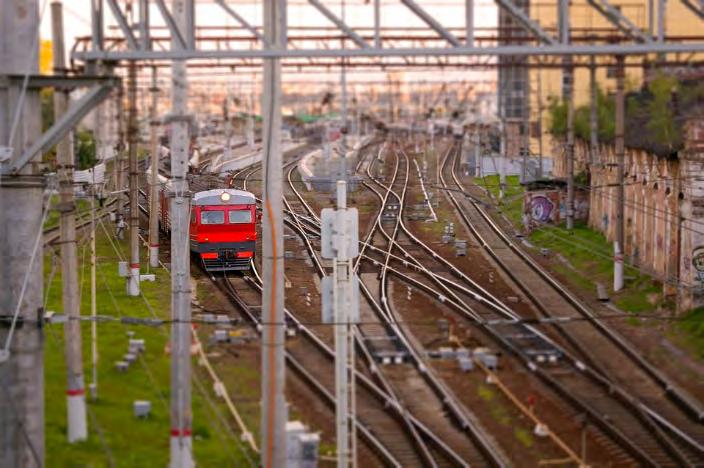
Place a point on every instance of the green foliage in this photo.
(606, 111)
(85, 152)
(557, 110)
(47, 104)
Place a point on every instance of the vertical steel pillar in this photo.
(469, 22)
(144, 39)
(181, 444)
(21, 200)
(662, 12)
(273, 425)
(75, 390)
(132, 142)
(154, 176)
(620, 156)
(377, 24)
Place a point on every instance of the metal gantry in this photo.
(21, 144)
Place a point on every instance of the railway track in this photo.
(416, 384)
(637, 412)
(385, 425)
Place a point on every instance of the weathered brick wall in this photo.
(691, 254)
(664, 210)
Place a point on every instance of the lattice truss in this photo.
(321, 35)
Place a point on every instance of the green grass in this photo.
(585, 249)
(512, 203)
(112, 426)
(692, 325)
(52, 218)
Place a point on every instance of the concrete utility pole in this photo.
(75, 390)
(181, 452)
(569, 150)
(273, 425)
(568, 96)
(93, 304)
(540, 125)
(21, 202)
(154, 178)
(132, 142)
(619, 143)
(593, 113)
(119, 160)
(339, 241)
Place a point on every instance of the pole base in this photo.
(181, 452)
(77, 426)
(154, 256)
(133, 282)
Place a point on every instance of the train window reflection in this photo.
(240, 216)
(212, 217)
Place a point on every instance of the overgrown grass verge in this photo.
(585, 257)
(115, 435)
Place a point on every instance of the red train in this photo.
(222, 230)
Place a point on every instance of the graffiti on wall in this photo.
(698, 262)
(541, 208)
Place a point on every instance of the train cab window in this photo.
(212, 217)
(193, 216)
(240, 216)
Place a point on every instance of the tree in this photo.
(84, 149)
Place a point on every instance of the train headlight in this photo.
(225, 196)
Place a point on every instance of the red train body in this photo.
(222, 230)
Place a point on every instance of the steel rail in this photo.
(637, 408)
(413, 424)
(456, 409)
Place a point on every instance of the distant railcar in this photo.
(222, 228)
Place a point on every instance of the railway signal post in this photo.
(339, 242)
(75, 390)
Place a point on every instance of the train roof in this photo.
(215, 197)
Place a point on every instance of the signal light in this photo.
(244, 254)
(209, 255)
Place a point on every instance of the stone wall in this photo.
(664, 210)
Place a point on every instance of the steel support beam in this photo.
(618, 19)
(176, 35)
(514, 50)
(524, 20)
(694, 8)
(430, 21)
(61, 127)
(122, 23)
(243, 22)
(58, 82)
(356, 38)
